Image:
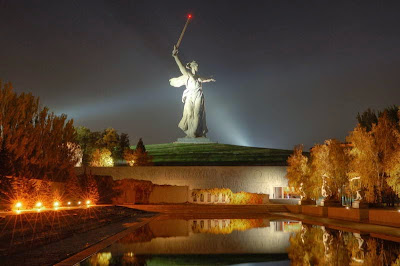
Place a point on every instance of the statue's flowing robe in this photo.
(193, 121)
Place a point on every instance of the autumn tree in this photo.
(138, 156)
(393, 165)
(91, 189)
(102, 158)
(44, 191)
(108, 139)
(129, 156)
(87, 142)
(371, 156)
(33, 141)
(122, 146)
(298, 173)
(330, 167)
(73, 188)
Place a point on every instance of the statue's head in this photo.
(193, 66)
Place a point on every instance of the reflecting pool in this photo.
(266, 241)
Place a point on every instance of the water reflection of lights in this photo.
(226, 226)
(101, 259)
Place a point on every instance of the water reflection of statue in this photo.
(193, 121)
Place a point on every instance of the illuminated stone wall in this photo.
(254, 179)
(169, 194)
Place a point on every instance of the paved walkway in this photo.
(379, 231)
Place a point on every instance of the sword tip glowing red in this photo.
(189, 17)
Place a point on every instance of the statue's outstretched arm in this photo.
(204, 80)
(178, 62)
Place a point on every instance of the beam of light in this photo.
(109, 106)
(231, 130)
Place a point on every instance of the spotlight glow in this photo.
(79, 203)
(38, 204)
(88, 202)
(56, 204)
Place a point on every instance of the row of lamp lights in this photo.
(18, 207)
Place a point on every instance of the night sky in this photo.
(288, 72)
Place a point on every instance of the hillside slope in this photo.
(215, 154)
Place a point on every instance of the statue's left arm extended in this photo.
(205, 80)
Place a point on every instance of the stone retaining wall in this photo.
(253, 179)
(385, 217)
(350, 214)
(373, 216)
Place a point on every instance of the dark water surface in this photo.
(259, 241)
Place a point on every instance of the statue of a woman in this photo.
(193, 121)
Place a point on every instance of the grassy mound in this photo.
(215, 154)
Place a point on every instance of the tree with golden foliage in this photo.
(372, 157)
(73, 189)
(329, 167)
(138, 156)
(92, 192)
(33, 141)
(102, 158)
(393, 164)
(299, 172)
